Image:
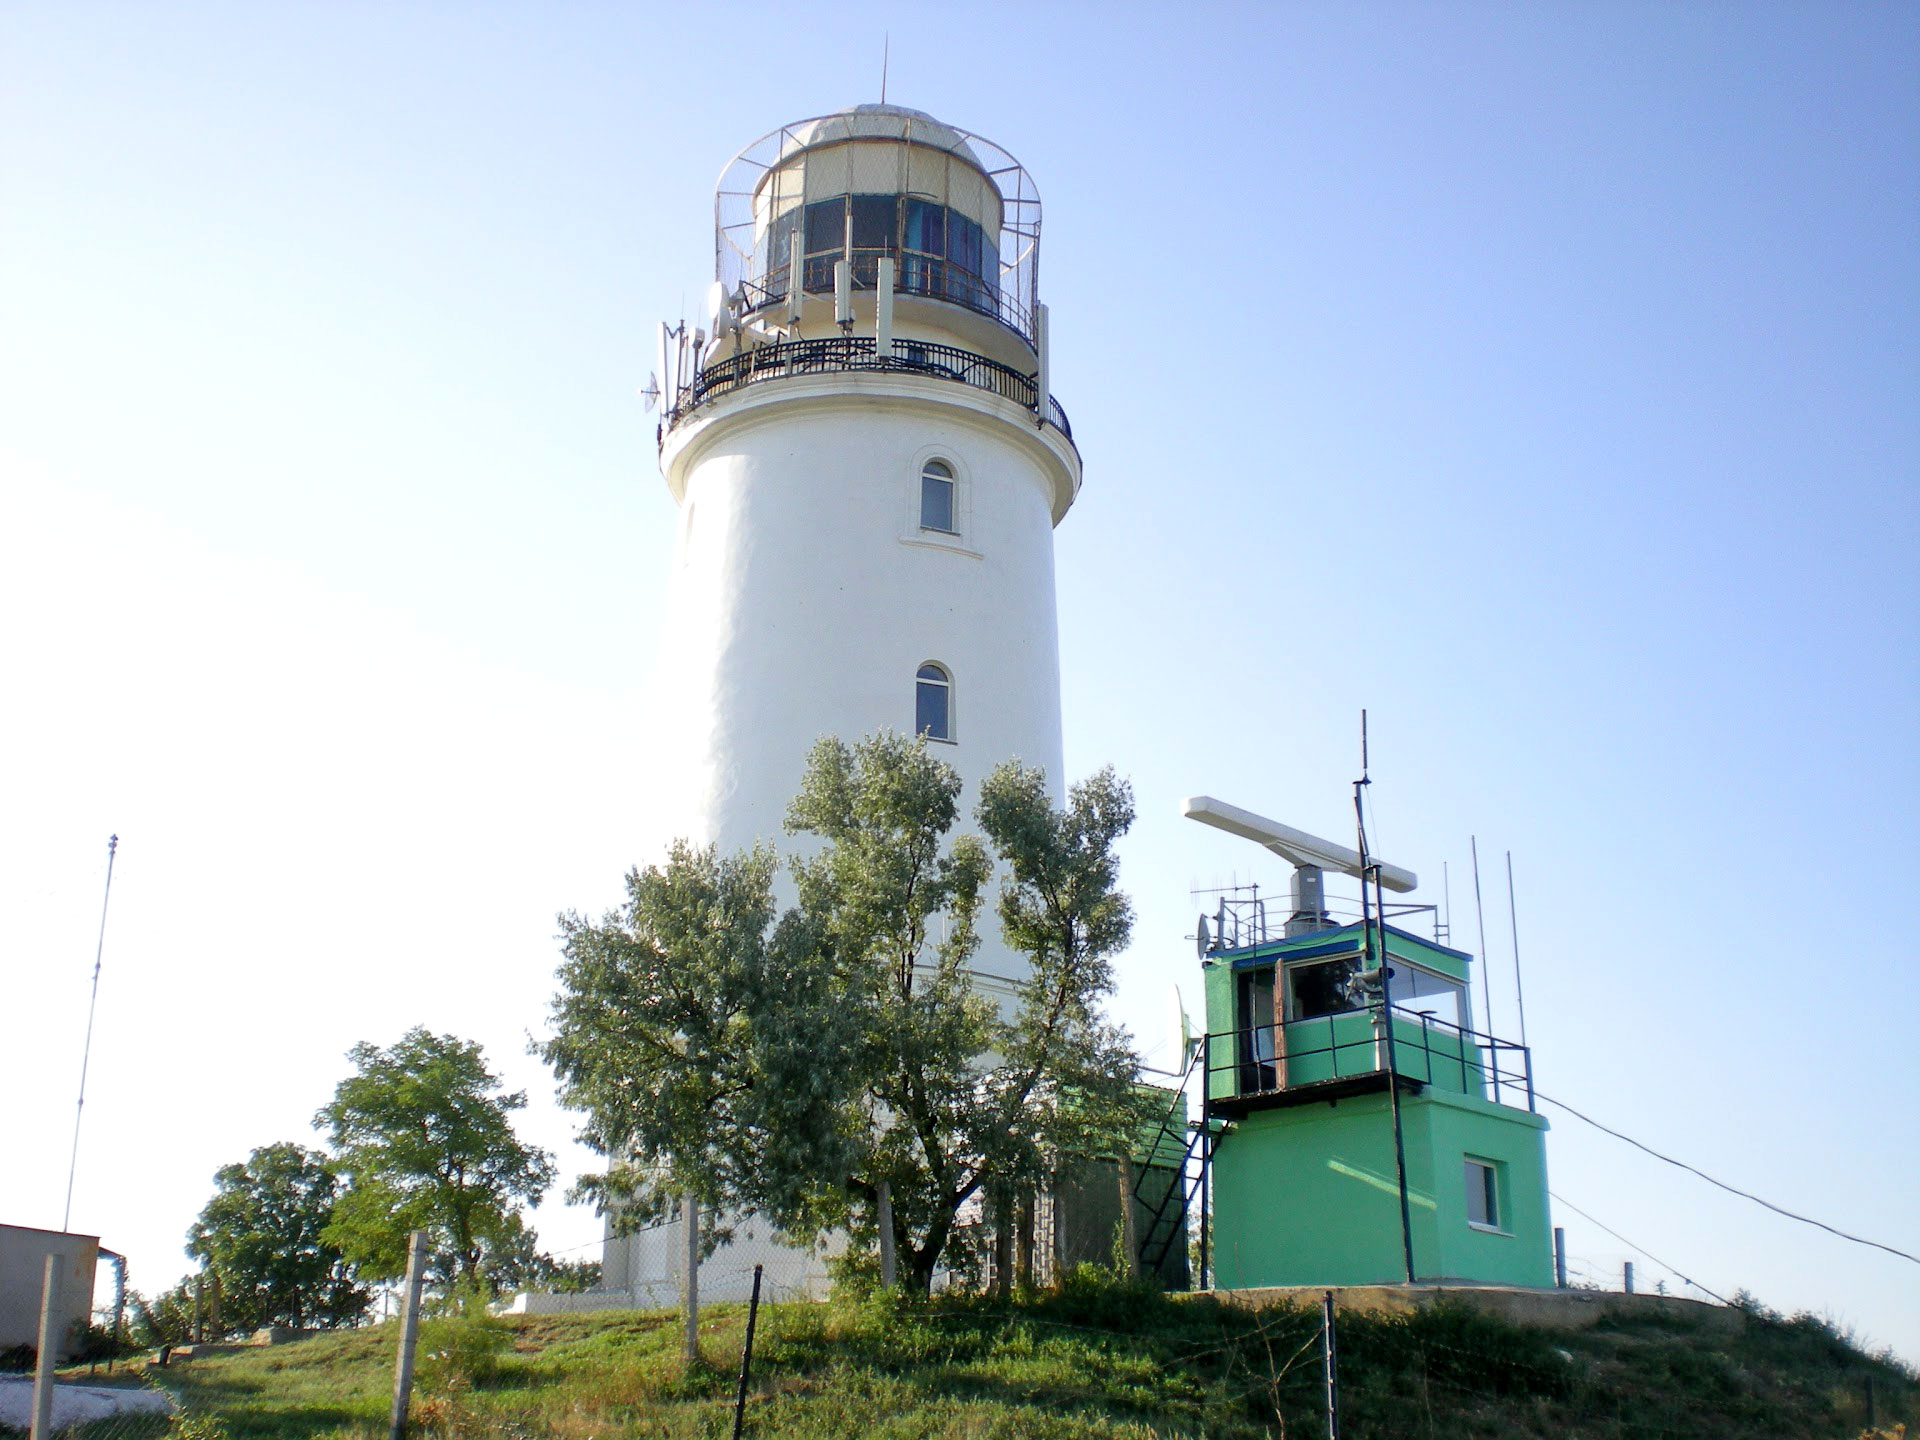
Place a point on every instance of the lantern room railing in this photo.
(842, 353)
(1264, 1066)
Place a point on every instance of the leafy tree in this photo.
(1067, 1084)
(261, 1233)
(425, 1139)
(790, 1068)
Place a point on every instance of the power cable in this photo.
(1730, 1189)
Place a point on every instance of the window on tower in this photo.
(933, 703)
(936, 497)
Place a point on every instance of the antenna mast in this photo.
(86, 1053)
(1519, 996)
(1370, 869)
(886, 45)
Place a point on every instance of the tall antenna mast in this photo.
(886, 45)
(1519, 996)
(86, 1053)
(1486, 972)
(1370, 872)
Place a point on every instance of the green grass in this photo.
(1100, 1362)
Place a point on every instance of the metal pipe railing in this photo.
(1482, 1060)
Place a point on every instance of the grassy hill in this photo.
(1097, 1361)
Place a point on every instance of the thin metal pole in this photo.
(1386, 1004)
(1206, 1166)
(1393, 1075)
(86, 1054)
(1560, 1256)
(1329, 1360)
(1486, 977)
(1513, 918)
(746, 1357)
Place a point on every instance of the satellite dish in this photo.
(1181, 1028)
(651, 395)
(1202, 941)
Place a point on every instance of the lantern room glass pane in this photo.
(926, 229)
(873, 221)
(827, 226)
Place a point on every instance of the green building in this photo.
(1308, 1184)
(1358, 1129)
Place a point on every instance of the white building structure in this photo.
(868, 465)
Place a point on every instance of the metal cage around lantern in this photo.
(959, 216)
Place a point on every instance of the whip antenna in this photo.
(86, 1053)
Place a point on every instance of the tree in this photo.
(425, 1139)
(791, 1068)
(667, 1030)
(262, 1234)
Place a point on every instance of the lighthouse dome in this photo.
(883, 122)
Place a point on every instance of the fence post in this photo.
(1560, 1257)
(48, 1355)
(1629, 1277)
(1329, 1357)
(409, 1335)
(690, 1210)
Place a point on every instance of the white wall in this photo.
(805, 596)
(23, 1258)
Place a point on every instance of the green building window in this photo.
(1325, 987)
(1483, 1194)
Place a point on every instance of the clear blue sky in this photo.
(1542, 379)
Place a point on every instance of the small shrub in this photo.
(462, 1349)
(1095, 1295)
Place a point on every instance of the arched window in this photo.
(933, 703)
(936, 497)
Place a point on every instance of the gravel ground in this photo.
(73, 1404)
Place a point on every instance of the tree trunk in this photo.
(1002, 1245)
(1023, 1241)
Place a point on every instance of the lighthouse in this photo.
(868, 466)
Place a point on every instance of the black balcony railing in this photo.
(842, 353)
(1266, 1064)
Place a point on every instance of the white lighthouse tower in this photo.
(869, 466)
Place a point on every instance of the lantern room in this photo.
(959, 216)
